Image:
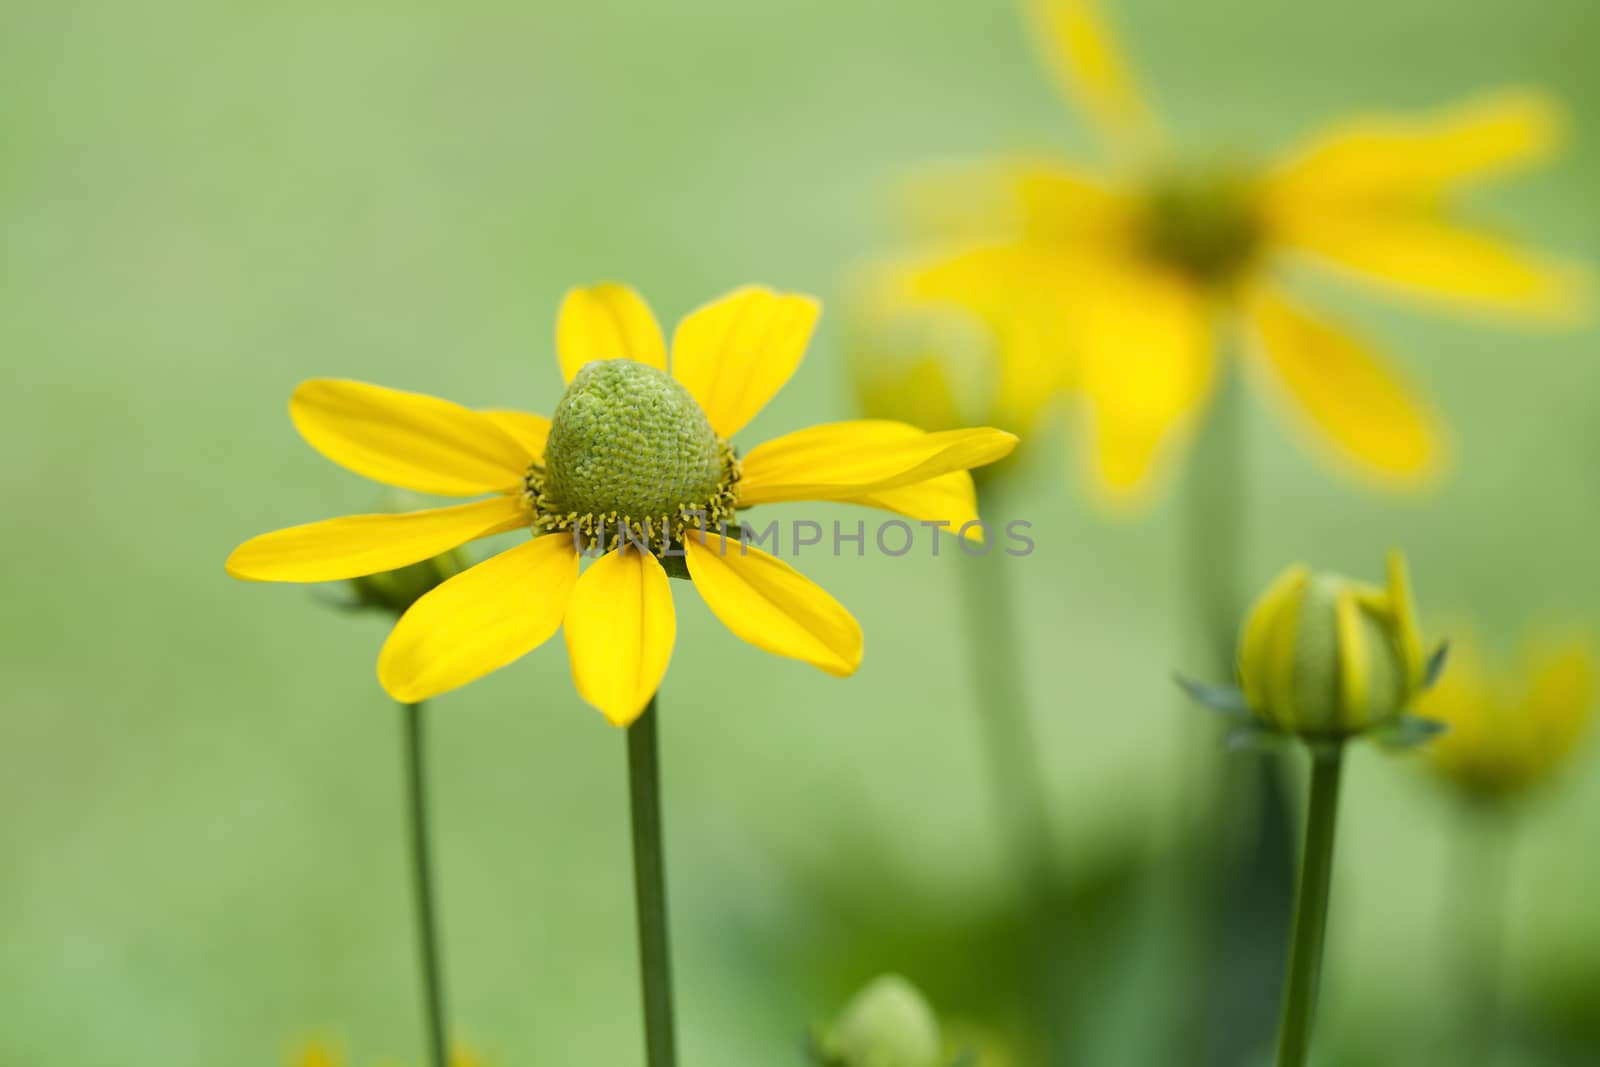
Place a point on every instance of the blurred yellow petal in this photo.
(734, 354)
(950, 498)
(842, 460)
(1343, 388)
(407, 439)
(772, 606)
(1431, 256)
(316, 1055)
(607, 321)
(1258, 644)
(1561, 693)
(482, 619)
(1087, 61)
(620, 628)
(1037, 198)
(358, 545)
(1145, 348)
(1389, 161)
(530, 431)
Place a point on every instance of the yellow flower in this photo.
(1509, 730)
(1136, 274)
(319, 1054)
(637, 465)
(1326, 658)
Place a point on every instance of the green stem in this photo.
(650, 889)
(1311, 906)
(1010, 742)
(422, 885)
(1478, 911)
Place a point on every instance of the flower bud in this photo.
(887, 1024)
(1327, 658)
(395, 591)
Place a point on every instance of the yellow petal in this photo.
(734, 355)
(1344, 390)
(1272, 613)
(607, 321)
(771, 605)
(950, 498)
(407, 439)
(1561, 693)
(480, 620)
(1423, 253)
(530, 431)
(1039, 198)
(1145, 346)
(1354, 698)
(316, 1054)
(357, 545)
(1388, 160)
(1087, 62)
(843, 460)
(620, 629)
(1402, 605)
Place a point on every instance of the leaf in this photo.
(1436, 664)
(1409, 731)
(1250, 737)
(1228, 699)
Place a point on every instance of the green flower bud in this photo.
(395, 591)
(1327, 658)
(887, 1024)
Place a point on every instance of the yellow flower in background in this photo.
(319, 1054)
(637, 466)
(1134, 275)
(1511, 729)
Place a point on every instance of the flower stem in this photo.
(650, 889)
(1311, 906)
(422, 884)
(1003, 716)
(1478, 912)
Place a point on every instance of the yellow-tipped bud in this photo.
(887, 1024)
(1327, 658)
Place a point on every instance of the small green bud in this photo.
(1327, 658)
(887, 1024)
(627, 440)
(395, 591)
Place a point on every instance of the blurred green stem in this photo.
(1017, 781)
(412, 716)
(1478, 912)
(650, 889)
(1311, 905)
(1003, 714)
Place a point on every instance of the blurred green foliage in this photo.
(202, 204)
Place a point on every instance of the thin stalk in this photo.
(1011, 745)
(1233, 819)
(650, 889)
(412, 716)
(1478, 910)
(1016, 781)
(1311, 907)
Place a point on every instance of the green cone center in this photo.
(1203, 222)
(629, 441)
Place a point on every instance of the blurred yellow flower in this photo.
(1511, 729)
(635, 465)
(1323, 657)
(1136, 275)
(319, 1054)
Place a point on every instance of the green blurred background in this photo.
(202, 204)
